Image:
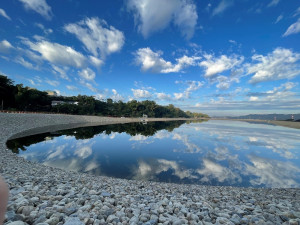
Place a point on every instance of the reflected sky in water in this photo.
(211, 153)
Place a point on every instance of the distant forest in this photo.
(20, 98)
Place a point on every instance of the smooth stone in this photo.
(52, 221)
(105, 194)
(223, 221)
(73, 221)
(294, 222)
(18, 223)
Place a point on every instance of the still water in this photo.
(205, 152)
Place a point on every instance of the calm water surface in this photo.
(211, 152)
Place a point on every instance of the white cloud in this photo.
(87, 74)
(153, 61)
(192, 86)
(39, 6)
(163, 96)
(181, 96)
(61, 71)
(186, 19)
(88, 85)
(3, 13)
(215, 170)
(116, 96)
(297, 12)
(155, 15)
(279, 18)
(25, 63)
(223, 5)
(57, 54)
(253, 98)
(95, 61)
(97, 37)
(218, 65)
(53, 82)
(45, 30)
(190, 147)
(139, 93)
(5, 46)
(273, 173)
(280, 64)
(273, 3)
(293, 29)
(83, 152)
(71, 88)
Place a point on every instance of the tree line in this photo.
(20, 98)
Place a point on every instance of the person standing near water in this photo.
(3, 199)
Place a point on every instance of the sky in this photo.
(220, 57)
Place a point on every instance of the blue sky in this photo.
(221, 57)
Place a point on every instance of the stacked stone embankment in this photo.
(43, 195)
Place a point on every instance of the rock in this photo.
(52, 221)
(112, 218)
(105, 194)
(27, 210)
(69, 211)
(73, 221)
(17, 223)
(294, 222)
(223, 221)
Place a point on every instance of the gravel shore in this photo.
(42, 195)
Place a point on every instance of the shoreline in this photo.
(46, 195)
(282, 123)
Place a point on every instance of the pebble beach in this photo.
(43, 195)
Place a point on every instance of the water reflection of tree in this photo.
(89, 132)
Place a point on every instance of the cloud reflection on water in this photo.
(223, 153)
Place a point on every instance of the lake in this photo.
(227, 153)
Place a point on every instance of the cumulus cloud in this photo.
(116, 96)
(223, 6)
(163, 96)
(152, 61)
(293, 29)
(97, 37)
(95, 61)
(87, 74)
(192, 85)
(57, 53)
(155, 15)
(215, 65)
(39, 6)
(280, 64)
(140, 93)
(3, 13)
(5, 46)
